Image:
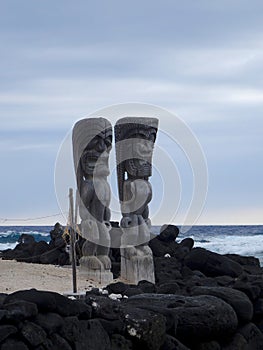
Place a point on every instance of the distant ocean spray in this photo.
(243, 240)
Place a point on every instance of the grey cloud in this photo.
(201, 60)
(185, 23)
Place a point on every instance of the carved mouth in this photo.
(139, 167)
(142, 162)
(91, 162)
(144, 151)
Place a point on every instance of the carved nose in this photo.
(101, 146)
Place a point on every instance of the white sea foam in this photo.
(242, 240)
(10, 233)
(44, 234)
(4, 246)
(7, 233)
(243, 245)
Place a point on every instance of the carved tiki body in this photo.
(135, 139)
(92, 140)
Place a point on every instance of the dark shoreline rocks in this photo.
(212, 264)
(200, 301)
(30, 251)
(33, 319)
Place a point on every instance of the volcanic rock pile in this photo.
(28, 250)
(201, 301)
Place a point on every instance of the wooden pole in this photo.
(76, 211)
(72, 240)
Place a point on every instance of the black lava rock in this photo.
(2, 298)
(19, 310)
(85, 334)
(50, 257)
(146, 328)
(258, 308)
(103, 307)
(50, 322)
(187, 243)
(238, 300)
(168, 288)
(6, 330)
(211, 345)
(45, 301)
(252, 291)
(249, 337)
(118, 342)
(59, 343)
(113, 326)
(51, 302)
(14, 344)
(132, 291)
(172, 343)
(244, 260)
(28, 250)
(147, 287)
(39, 249)
(2, 314)
(167, 270)
(212, 264)
(33, 334)
(117, 288)
(165, 243)
(168, 233)
(200, 318)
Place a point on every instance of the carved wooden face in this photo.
(141, 149)
(96, 154)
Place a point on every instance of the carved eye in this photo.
(92, 144)
(108, 142)
(152, 137)
(141, 136)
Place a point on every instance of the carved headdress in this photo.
(131, 128)
(83, 132)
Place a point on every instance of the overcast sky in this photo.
(201, 60)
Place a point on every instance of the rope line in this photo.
(31, 219)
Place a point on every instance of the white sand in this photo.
(19, 275)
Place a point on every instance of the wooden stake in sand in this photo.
(72, 224)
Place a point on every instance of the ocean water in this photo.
(243, 240)
(9, 235)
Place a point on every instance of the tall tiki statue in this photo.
(92, 140)
(135, 139)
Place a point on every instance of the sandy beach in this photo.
(19, 275)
